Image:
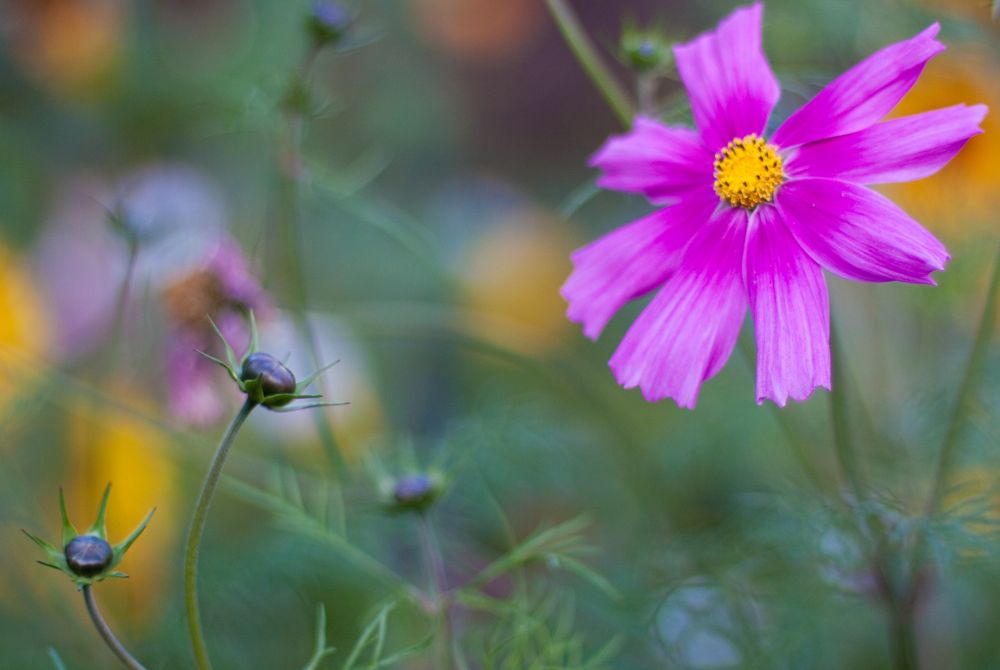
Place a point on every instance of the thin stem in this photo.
(973, 371)
(904, 648)
(195, 534)
(586, 53)
(840, 422)
(786, 426)
(450, 653)
(109, 637)
(290, 172)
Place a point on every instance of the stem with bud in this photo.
(196, 531)
(109, 637)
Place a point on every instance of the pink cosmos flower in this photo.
(752, 221)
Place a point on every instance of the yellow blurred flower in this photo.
(114, 444)
(962, 199)
(510, 281)
(24, 328)
(70, 46)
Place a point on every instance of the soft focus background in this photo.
(443, 186)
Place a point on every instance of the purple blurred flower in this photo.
(753, 222)
(225, 289)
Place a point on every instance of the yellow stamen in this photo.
(748, 171)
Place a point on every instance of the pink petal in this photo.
(632, 260)
(659, 161)
(858, 233)
(791, 311)
(904, 149)
(686, 334)
(862, 95)
(728, 79)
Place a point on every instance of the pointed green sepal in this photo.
(312, 377)
(53, 566)
(230, 354)
(254, 338)
(123, 546)
(52, 551)
(68, 531)
(100, 526)
(222, 364)
(312, 405)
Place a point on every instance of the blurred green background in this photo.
(445, 154)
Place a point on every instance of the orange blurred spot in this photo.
(479, 30)
(961, 200)
(68, 45)
(511, 278)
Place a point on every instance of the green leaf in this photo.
(372, 636)
(556, 541)
(100, 525)
(56, 659)
(590, 576)
(321, 650)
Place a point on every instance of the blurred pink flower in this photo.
(225, 289)
(752, 222)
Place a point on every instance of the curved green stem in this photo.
(109, 637)
(197, 529)
(585, 52)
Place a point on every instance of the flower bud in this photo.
(644, 50)
(275, 378)
(329, 21)
(88, 555)
(415, 491)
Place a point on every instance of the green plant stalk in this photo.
(786, 426)
(290, 173)
(106, 633)
(196, 531)
(840, 422)
(973, 371)
(450, 654)
(586, 53)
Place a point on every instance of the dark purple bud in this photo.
(328, 21)
(274, 377)
(414, 491)
(88, 555)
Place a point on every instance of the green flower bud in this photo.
(329, 22)
(645, 50)
(415, 492)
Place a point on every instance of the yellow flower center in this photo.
(748, 171)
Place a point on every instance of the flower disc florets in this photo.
(88, 557)
(748, 171)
